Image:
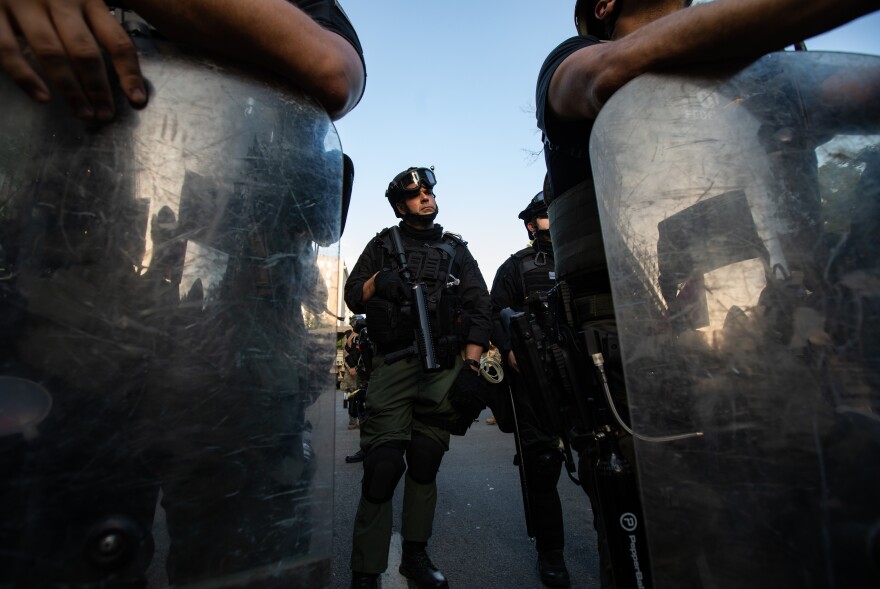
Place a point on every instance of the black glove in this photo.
(390, 286)
(468, 396)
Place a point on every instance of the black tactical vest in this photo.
(432, 264)
(536, 273)
(429, 263)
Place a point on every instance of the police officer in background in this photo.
(412, 408)
(521, 284)
(359, 364)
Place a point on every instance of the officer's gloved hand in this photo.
(390, 286)
(469, 397)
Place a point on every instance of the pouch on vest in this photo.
(389, 328)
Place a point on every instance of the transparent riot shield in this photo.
(740, 215)
(165, 358)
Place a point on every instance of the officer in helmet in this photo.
(413, 407)
(617, 41)
(521, 284)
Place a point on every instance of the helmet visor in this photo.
(411, 181)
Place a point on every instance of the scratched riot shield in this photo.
(740, 213)
(163, 341)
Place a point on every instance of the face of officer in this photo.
(540, 228)
(419, 209)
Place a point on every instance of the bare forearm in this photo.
(272, 34)
(718, 31)
(369, 288)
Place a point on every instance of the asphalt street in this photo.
(479, 537)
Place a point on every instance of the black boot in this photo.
(416, 566)
(356, 457)
(364, 581)
(551, 567)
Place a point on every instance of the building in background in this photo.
(331, 276)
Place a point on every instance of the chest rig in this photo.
(537, 276)
(432, 263)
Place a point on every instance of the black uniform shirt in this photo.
(472, 289)
(566, 143)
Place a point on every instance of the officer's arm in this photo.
(271, 34)
(705, 33)
(356, 291)
(503, 295)
(369, 288)
(66, 38)
(476, 303)
(473, 352)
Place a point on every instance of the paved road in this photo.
(479, 535)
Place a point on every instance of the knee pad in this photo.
(423, 459)
(383, 467)
(546, 467)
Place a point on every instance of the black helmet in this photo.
(537, 208)
(408, 183)
(357, 322)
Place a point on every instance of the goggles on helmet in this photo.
(411, 181)
(537, 208)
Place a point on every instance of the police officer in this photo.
(235, 491)
(616, 42)
(412, 406)
(359, 364)
(521, 284)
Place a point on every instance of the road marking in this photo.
(391, 578)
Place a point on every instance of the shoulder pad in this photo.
(526, 251)
(455, 238)
(382, 235)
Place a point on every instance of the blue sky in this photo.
(452, 84)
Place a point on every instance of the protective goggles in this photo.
(537, 208)
(409, 182)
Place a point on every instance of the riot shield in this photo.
(739, 213)
(164, 352)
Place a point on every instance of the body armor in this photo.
(432, 264)
(536, 273)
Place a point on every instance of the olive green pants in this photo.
(399, 393)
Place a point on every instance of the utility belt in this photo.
(446, 350)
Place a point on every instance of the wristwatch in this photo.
(472, 363)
